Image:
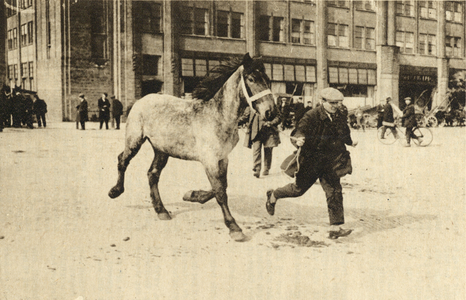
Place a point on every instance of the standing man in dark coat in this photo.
(322, 137)
(388, 119)
(117, 111)
(409, 121)
(380, 112)
(104, 110)
(40, 109)
(28, 111)
(260, 134)
(82, 111)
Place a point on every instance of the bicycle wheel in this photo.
(388, 139)
(424, 136)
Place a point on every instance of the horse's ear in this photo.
(247, 60)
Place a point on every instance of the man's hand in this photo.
(300, 141)
(354, 144)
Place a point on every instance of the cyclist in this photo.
(409, 121)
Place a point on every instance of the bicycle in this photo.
(423, 135)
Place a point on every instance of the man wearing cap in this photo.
(117, 111)
(82, 111)
(409, 120)
(104, 110)
(322, 134)
(388, 119)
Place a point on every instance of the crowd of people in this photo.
(19, 108)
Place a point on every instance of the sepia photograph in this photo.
(232, 149)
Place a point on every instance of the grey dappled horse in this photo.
(204, 130)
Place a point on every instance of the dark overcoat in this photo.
(82, 111)
(257, 129)
(409, 116)
(104, 109)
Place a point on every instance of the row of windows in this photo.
(27, 71)
(428, 10)
(27, 36)
(427, 44)
(341, 75)
(12, 6)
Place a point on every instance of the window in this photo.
(150, 64)
(454, 11)
(187, 67)
(25, 3)
(98, 33)
(427, 44)
(364, 5)
(302, 32)
(194, 20)
(364, 38)
(151, 17)
(10, 72)
(229, 24)
(337, 35)
(427, 10)
(11, 7)
(405, 40)
(30, 33)
(453, 46)
(10, 40)
(31, 69)
(24, 35)
(405, 8)
(24, 70)
(15, 38)
(338, 3)
(271, 29)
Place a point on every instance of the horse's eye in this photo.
(251, 79)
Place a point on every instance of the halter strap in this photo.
(250, 100)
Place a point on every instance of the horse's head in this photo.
(256, 88)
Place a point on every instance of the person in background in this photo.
(82, 115)
(104, 110)
(380, 111)
(40, 109)
(360, 119)
(117, 111)
(322, 135)
(388, 119)
(28, 112)
(409, 121)
(260, 134)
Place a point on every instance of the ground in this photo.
(62, 237)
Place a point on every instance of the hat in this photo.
(113, 97)
(331, 94)
(81, 95)
(408, 99)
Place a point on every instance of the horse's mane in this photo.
(209, 85)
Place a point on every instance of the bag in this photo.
(343, 165)
(290, 166)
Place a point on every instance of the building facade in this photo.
(368, 49)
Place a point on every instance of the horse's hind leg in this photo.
(131, 149)
(218, 179)
(159, 162)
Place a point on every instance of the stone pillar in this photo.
(171, 60)
(388, 68)
(442, 60)
(321, 53)
(250, 29)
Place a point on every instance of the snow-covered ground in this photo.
(61, 237)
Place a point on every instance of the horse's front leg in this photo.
(159, 162)
(217, 175)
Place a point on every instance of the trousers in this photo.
(257, 156)
(312, 169)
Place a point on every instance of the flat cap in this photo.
(331, 94)
(408, 98)
(81, 95)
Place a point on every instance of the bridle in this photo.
(255, 97)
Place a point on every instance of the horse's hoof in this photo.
(238, 236)
(164, 216)
(115, 192)
(189, 196)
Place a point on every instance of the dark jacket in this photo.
(104, 108)
(82, 111)
(40, 107)
(257, 129)
(388, 113)
(117, 108)
(409, 116)
(323, 137)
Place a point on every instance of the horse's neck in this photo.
(227, 98)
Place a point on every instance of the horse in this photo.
(204, 129)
